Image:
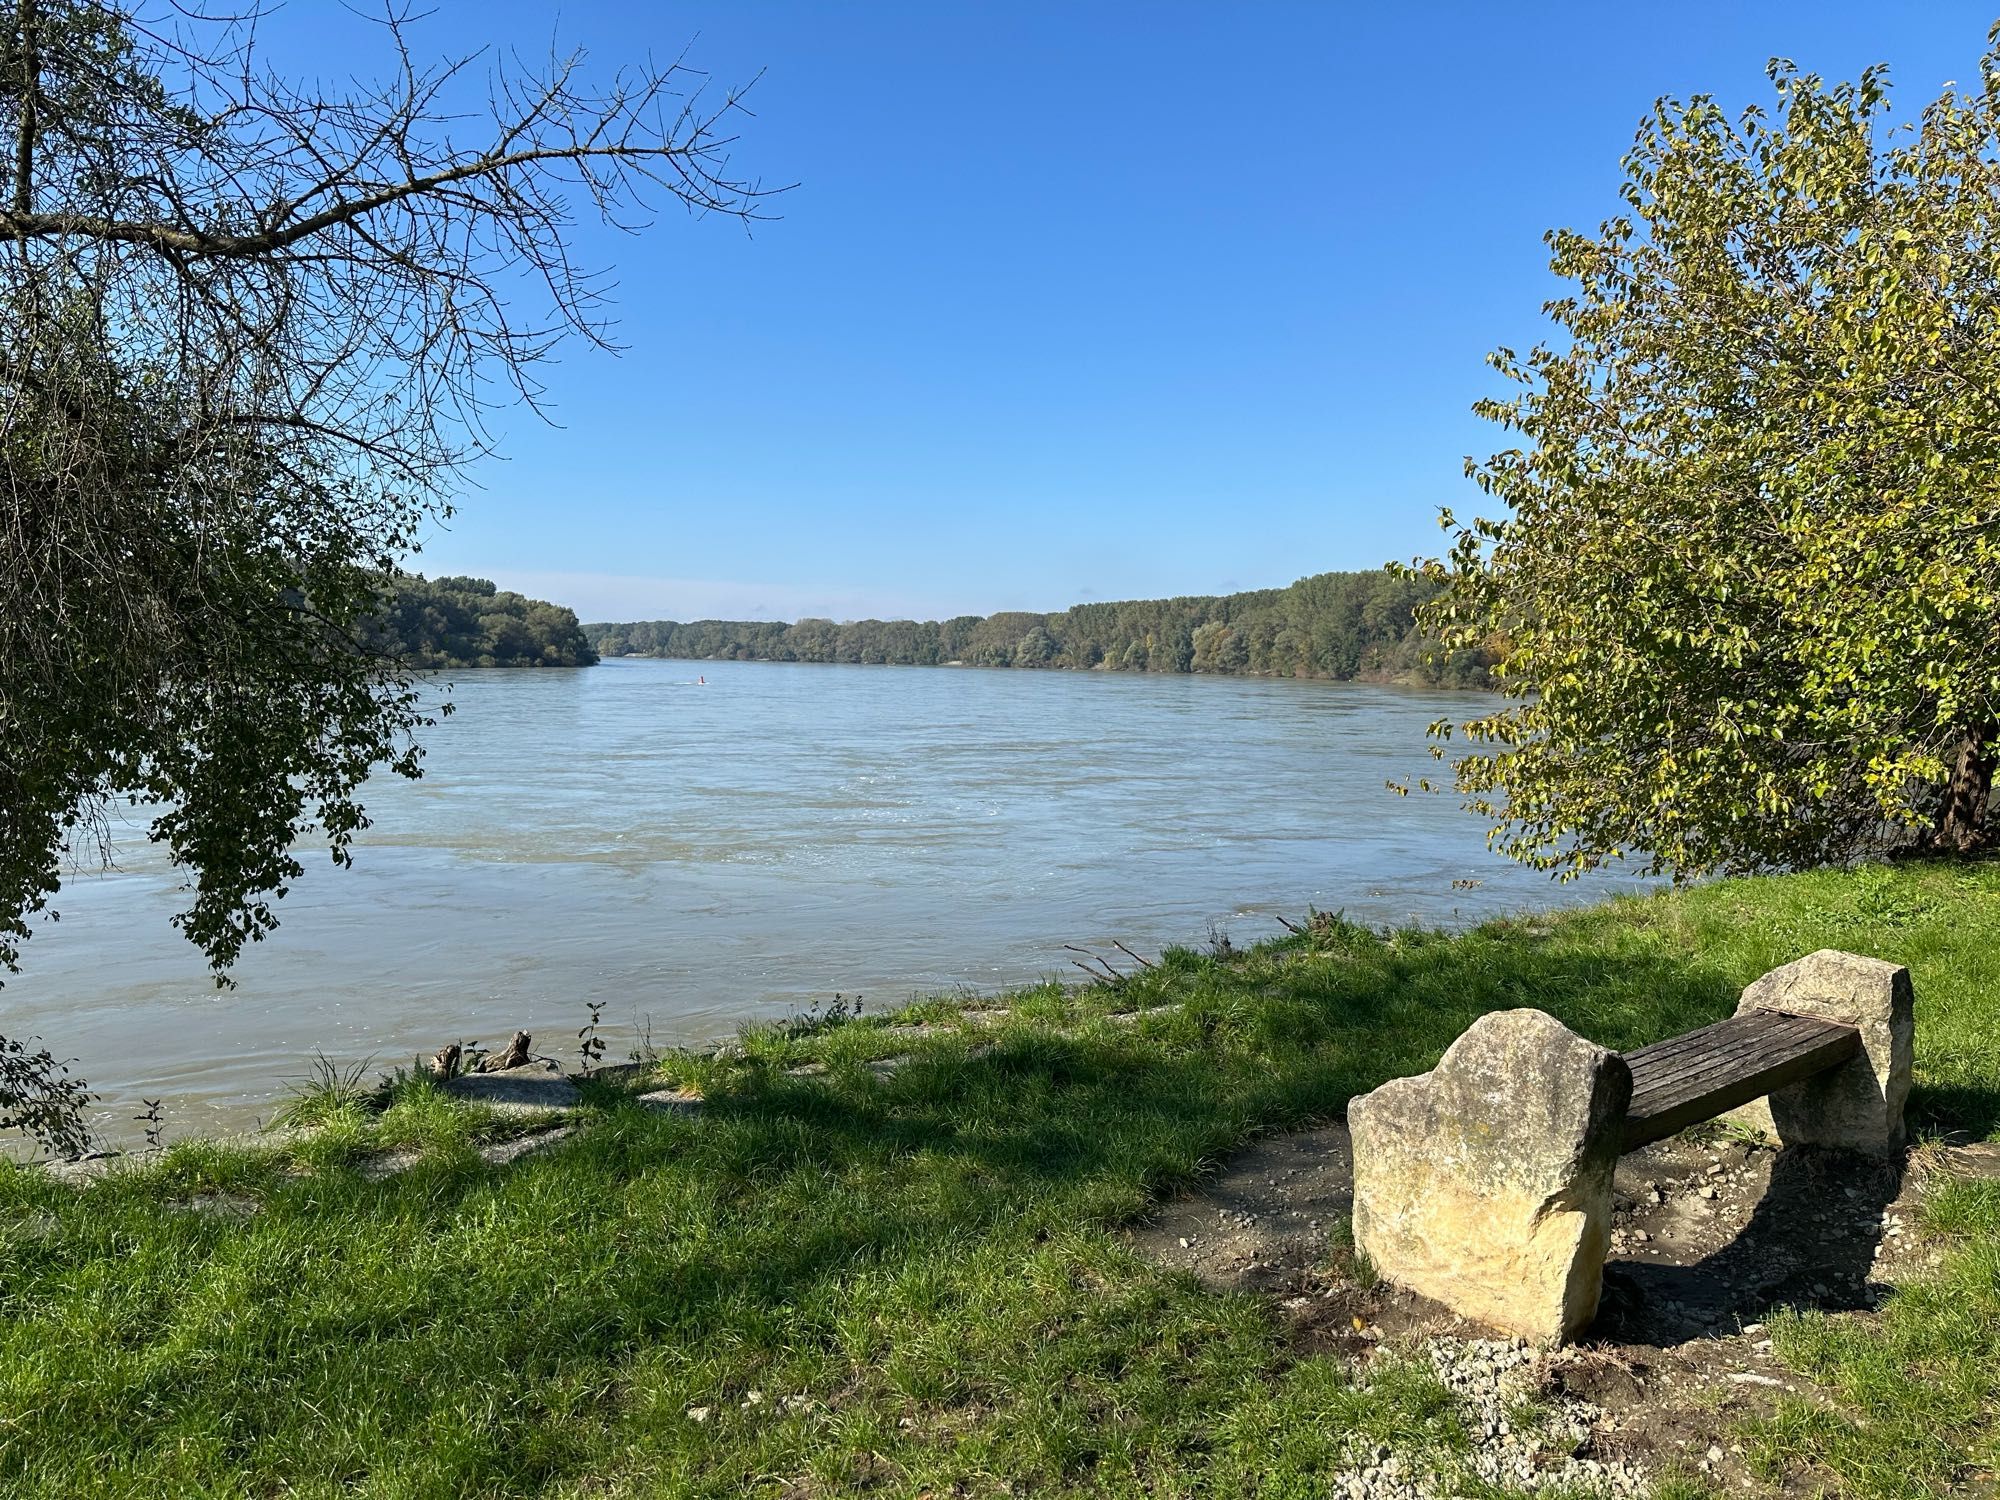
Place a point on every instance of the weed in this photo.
(644, 1051)
(591, 1046)
(151, 1119)
(1527, 1415)
(327, 1092)
(821, 1017)
(1882, 899)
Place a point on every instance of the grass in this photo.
(1919, 1390)
(915, 1284)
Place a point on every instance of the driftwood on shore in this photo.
(515, 1056)
(449, 1060)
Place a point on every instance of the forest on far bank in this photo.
(430, 623)
(1342, 626)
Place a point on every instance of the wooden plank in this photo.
(1692, 1084)
(1665, 1112)
(1745, 1034)
(1752, 1026)
(1692, 1041)
(1728, 1053)
(1727, 1047)
(1751, 1056)
(1686, 1079)
(1731, 1037)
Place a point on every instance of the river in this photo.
(696, 856)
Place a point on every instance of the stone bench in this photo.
(1485, 1184)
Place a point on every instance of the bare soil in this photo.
(1711, 1235)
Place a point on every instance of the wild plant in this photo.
(591, 1046)
(151, 1120)
(327, 1091)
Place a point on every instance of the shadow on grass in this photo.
(1955, 1109)
(327, 1334)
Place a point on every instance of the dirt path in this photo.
(1710, 1238)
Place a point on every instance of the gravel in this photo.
(1492, 1377)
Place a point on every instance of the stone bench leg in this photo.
(1859, 1105)
(1485, 1183)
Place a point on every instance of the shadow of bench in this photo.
(1485, 1184)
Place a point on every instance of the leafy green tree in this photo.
(1747, 585)
(1035, 648)
(250, 333)
(1338, 625)
(1219, 647)
(467, 622)
(813, 640)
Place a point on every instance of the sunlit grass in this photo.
(908, 1281)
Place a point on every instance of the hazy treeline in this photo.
(1335, 625)
(467, 622)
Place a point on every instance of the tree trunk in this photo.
(1962, 820)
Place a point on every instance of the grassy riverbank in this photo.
(912, 1281)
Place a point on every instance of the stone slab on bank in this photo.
(535, 1088)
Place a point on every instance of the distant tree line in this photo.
(1343, 626)
(467, 622)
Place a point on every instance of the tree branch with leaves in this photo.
(253, 332)
(1747, 579)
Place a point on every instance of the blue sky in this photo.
(1079, 300)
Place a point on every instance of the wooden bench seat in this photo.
(1687, 1079)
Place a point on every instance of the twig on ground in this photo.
(1143, 963)
(1116, 977)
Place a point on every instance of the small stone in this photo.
(700, 1413)
(672, 1101)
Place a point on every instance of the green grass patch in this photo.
(1917, 1390)
(849, 1283)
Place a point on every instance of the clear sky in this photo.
(1080, 300)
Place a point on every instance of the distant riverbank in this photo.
(1409, 678)
(436, 624)
(1338, 627)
